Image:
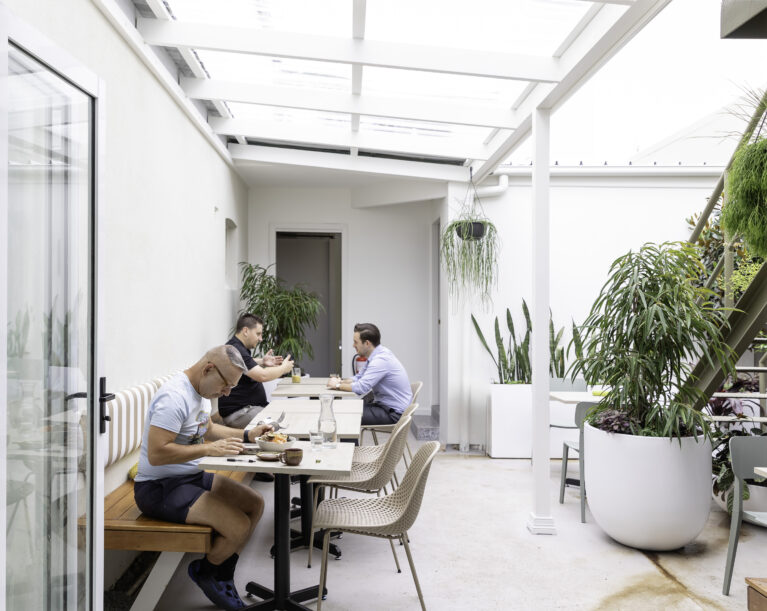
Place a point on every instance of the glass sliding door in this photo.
(49, 372)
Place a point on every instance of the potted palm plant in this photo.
(287, 313)
(647, 451)
(469, 245)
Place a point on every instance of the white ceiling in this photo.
(421, 81)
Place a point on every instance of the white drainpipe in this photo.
(496, 190)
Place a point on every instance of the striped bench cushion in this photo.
(127, 412)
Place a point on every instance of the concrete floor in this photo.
(472, 551)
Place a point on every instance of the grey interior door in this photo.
(314, 260)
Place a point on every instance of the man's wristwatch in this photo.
(245, 436)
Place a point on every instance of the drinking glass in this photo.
(315, 438)
(296, 375)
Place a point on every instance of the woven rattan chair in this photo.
(372, 453)
(374, 429)
(370, 477)
(388, 517)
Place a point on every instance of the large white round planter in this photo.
(648, 492)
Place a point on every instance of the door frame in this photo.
(13, 29)
(343, 229)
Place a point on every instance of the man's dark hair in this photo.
(368, 332)
(248, 320)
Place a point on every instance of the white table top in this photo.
(326, 461)
(574, 396)
(347, 406)
(310, 380)
(307, 389)
(298, 423)
(761, 471)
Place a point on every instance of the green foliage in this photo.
(513, 357)
(286, 312)
(742, 277)
(471, 264)
(745, 212)
(646, 329)
(18, 335)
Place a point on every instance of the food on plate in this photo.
(274, 437)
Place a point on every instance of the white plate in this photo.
(273, 446)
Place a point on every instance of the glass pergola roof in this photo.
(436, 81)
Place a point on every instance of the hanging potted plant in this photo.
(648, 452)
(469, 246)
(745, 210)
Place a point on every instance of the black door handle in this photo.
(104, 398)
(76, 395)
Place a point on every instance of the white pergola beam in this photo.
(302, 133)
(245, 154)
(330, 101)
(161, 12)
(581, 60)
(359, 11)
(350, 51)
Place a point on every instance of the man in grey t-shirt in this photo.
(170, 485)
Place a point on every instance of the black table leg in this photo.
(300, 539)
(281, 598)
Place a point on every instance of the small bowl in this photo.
(274, 446)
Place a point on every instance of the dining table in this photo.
(574, 396)
(328, 461)
(310, 388)
(302, 415)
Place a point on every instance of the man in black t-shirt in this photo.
(248, 397)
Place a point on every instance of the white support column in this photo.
(541, 522)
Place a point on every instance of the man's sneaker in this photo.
(263, 477)
(223, 594)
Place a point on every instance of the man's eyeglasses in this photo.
(218, 371)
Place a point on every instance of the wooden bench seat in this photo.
(125, 527)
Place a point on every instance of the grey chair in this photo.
(581, 409)
(745, 454)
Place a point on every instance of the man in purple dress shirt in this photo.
(384, 375)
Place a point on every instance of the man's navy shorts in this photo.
(170, 498)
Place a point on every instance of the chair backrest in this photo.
(415, 388)
(747, 453)
(409, 410)
(409, 495)
(581, 409)
(386, 463)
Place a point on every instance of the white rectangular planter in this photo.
(509, 421)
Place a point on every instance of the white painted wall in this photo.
(385, 254)
(167, 196)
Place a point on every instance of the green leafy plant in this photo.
(724, 477)
(745, 212)
(18, 335)
(287, 313)
(513, 361)
(469, 246)
(646, 329)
